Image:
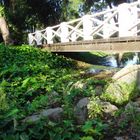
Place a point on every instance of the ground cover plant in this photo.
(28, 76)
(32, 81)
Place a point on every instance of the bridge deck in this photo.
(125, 44)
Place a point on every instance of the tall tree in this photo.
(28, 15)
(3, 26)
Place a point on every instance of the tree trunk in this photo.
(4, 30)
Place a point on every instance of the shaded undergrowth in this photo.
(31, 80)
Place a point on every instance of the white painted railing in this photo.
(122, 21)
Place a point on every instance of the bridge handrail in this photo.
(105, 24)
(135, 3)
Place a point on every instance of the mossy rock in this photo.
(125, 85)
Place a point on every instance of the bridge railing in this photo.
(122, 21)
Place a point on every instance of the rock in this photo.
(53, 114)
(119, 138)
(137, 136)
(53, 100)
(123, 85)
(105, 74)
(108, 107)
(122, 138)
(130, 111)
(81, 111)
(98, 90)
(138, 101)
(129, 74)
(32, 119)
(93, 71)
(82, 102)
(131, 107)
(115, 93)
(54, 93)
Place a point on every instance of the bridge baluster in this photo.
(107, 30)
(38, 38)
(73, 37)
(49, 35)
(87, 27)
(126, 20)
(64, 32)
(30, 39)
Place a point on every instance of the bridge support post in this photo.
(107, 30)
(30, 39)
(73, 36)
(38, 38)
(127, 18)
(49, 35)
(64, 32)
(87, 27)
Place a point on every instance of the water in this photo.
(111, 61)
(135, 60)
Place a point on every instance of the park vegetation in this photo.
(33, 81)
(46, 96)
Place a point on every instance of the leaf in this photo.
(87, 127)
(87, 138)
(24, 136)
(11, 137)
(12, 112)
(25, 82)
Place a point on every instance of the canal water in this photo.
(104, 59)
(127, 60)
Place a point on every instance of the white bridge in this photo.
(120, 24)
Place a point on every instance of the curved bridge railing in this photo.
(121, 21)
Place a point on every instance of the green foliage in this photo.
(101, 54)
(94, 107)
(28, 75)
(28, 79)
(1, 11)
(3, 101)
(132, 115)
(31, 80)
(70, 9)
(87, 138)
(127, 120)
(94, 128)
